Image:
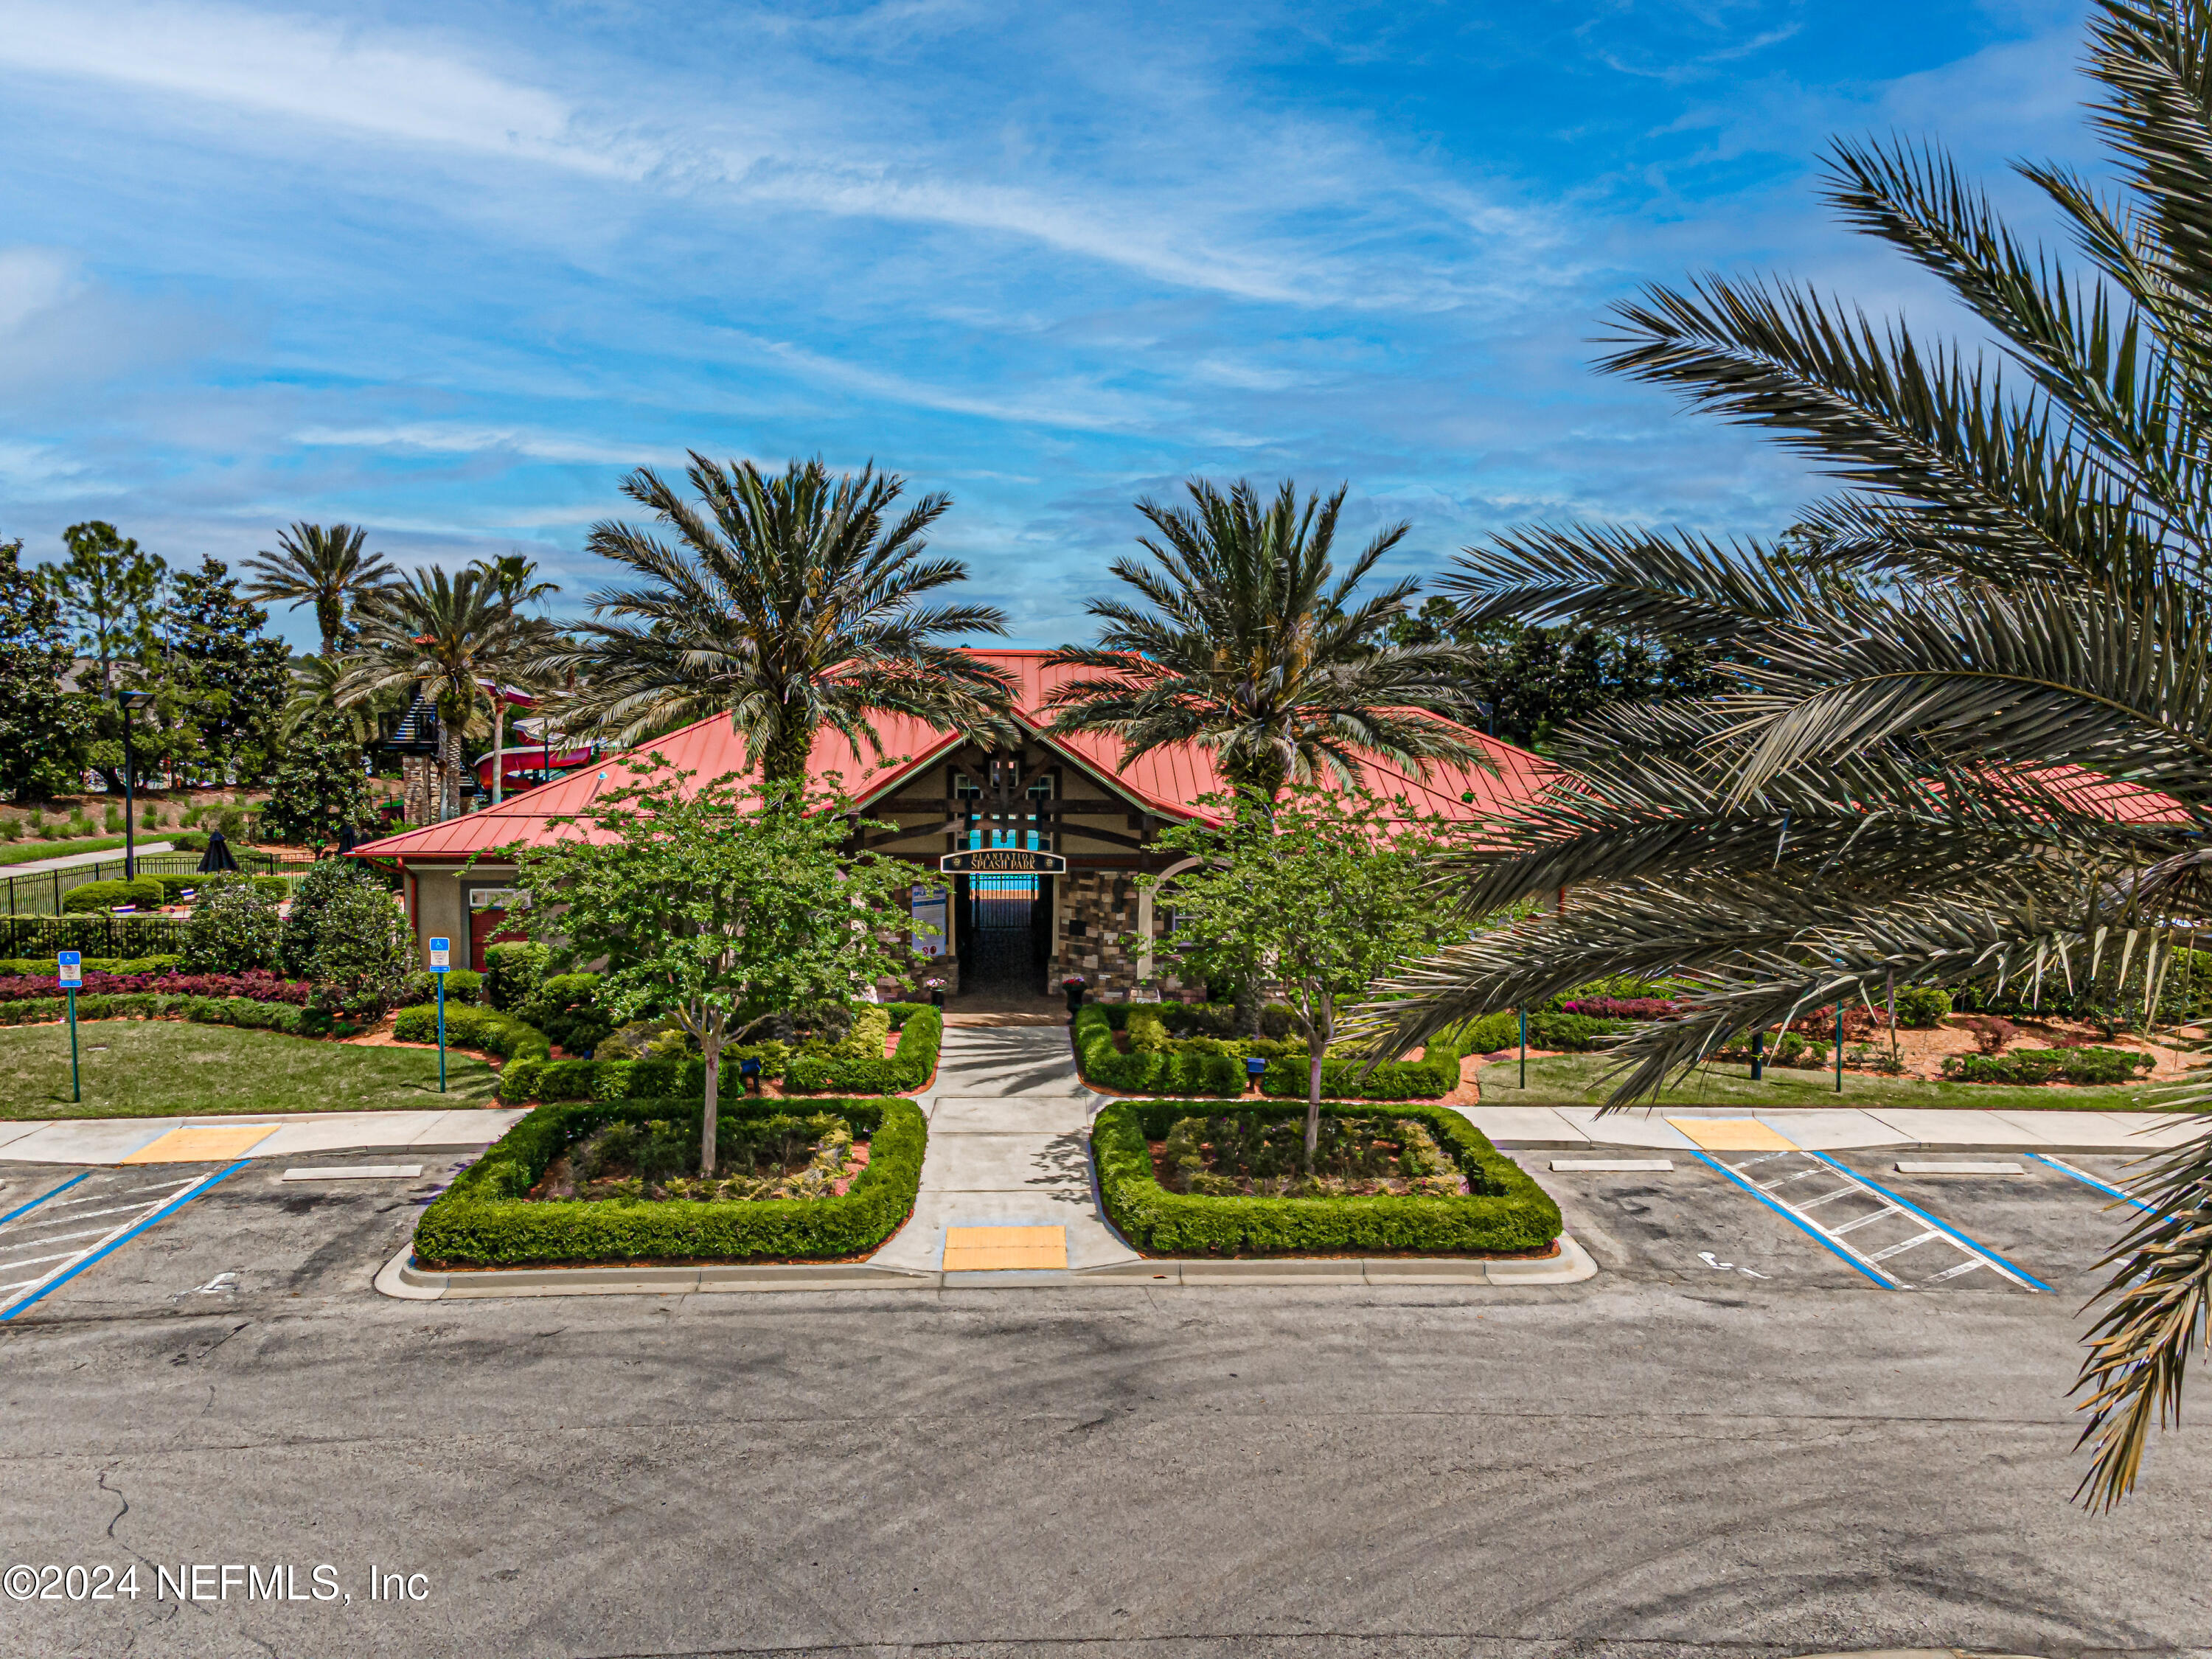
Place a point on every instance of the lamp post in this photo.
(128, 702)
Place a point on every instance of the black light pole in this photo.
(129, 701)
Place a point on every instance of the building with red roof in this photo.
(1024, 855)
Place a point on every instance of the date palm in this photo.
(1936, 756)
(1245, 640)
(320, 566)
(445, 638)
(788, 602)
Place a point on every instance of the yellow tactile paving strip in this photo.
(1733, 1134)
(204, 1143)
(996, 1249)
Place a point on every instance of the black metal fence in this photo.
(96, 934)
(41, 894)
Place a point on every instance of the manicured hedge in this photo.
(256, 987)
(1506, 1210)
(1152, 1062)
(45, 968)
(911, 1064)
(245, 1011)
(484, 1220)
(462, 985)
(2085, 1065)
(145, 893)
(1433, 1076)
(468, 1026)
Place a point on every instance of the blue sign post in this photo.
(441, 963)
(71, 963)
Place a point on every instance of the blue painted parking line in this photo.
(25, 1209)
(1790, 1213)
(1973, 1247)
(2106, 1187)
(37, 1289)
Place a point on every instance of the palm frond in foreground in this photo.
(1969, 741)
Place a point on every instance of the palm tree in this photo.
(2006, 622)
(320, 567)
(1247, 644)
(444, 638)
(789, 603)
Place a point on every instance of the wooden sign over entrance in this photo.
(1002, 861)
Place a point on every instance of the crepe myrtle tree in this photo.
(1320, 903)
(721, 906)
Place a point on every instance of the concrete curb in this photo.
(400, 1278)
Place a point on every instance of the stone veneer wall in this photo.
(1093, 936)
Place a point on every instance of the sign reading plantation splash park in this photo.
(1002, 861)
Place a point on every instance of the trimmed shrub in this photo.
(286, 1016)
(361, 943)
(44, 966)
(1922, 1007)
(145, 893)
(1621, 1008)
(485, 1030)
(1505, 1211)
(254, 987)
(234, 928)
(484, 1219)
(566, 1008)
(911, 1064)
(513, 973)
(2078, 1066)
(1430, 1078)
(462, 985)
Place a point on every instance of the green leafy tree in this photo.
(788, 603)
(326, 568)
(43, 731)
(1245, 641)
(320, 786)
(227, 679)
(1527, 681)
(446, 638)
(1319, 900)
(1950, 698)
(725, 907)
(110, 594)
(361, 947)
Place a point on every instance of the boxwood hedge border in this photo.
(1506, 1214)
(484, 1219)
(1180, 1071)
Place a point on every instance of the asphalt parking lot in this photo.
(1731, 1441)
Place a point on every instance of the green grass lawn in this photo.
(30, 852)
(1573, 1080)
(165, 1067)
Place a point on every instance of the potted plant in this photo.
(1074, 985)
(936, 990)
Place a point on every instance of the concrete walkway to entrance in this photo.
(1009, 1151)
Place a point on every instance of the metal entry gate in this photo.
(1005, 932)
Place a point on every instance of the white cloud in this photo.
(33, 280)
(429, 437)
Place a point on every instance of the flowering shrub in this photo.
(257, 986)
(1622, 1007)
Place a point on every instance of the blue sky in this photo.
(450, 269)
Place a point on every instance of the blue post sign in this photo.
(441, 963)
(71, 963)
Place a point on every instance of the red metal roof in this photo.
(1169, 781)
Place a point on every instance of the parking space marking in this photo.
(1989, 1257)
(1776, 1179)
(2106, 1187)
(25, 1209)
(17, 1296)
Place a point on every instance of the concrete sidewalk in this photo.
(1840, 1128)
(113, 1139)
(1009, 1148)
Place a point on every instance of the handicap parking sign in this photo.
(72, 966)
(441, 955)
